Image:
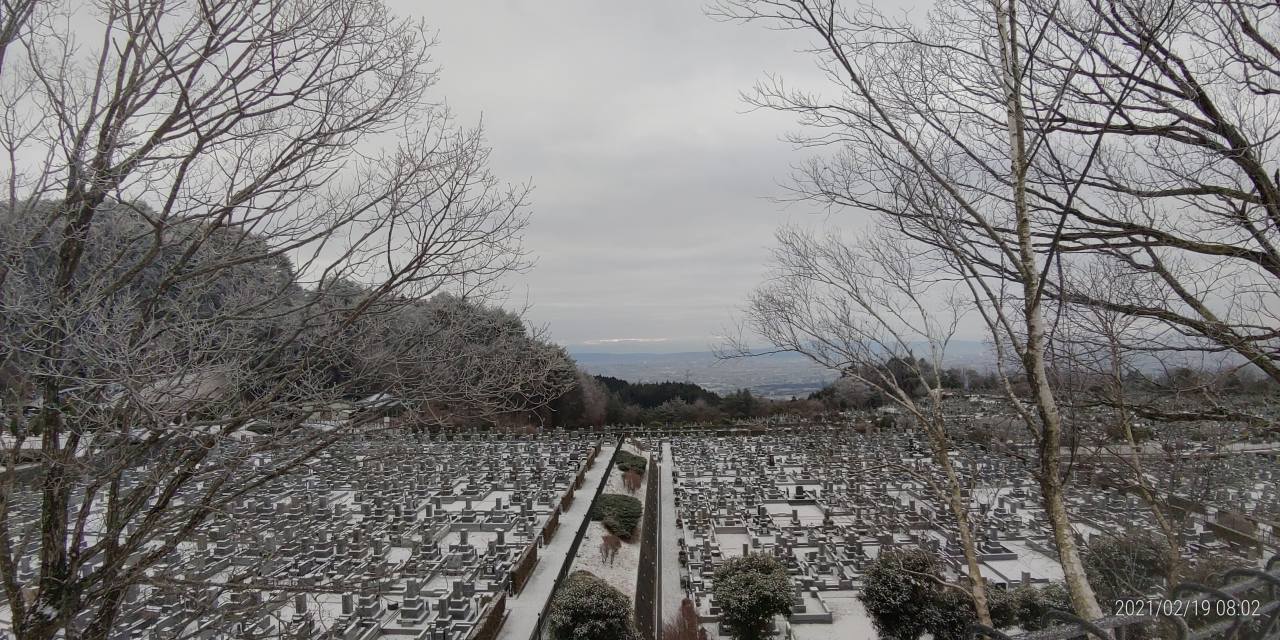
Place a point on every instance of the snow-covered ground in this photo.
(621, 573)
(668, 543)
(850, 620)
(1040, 566)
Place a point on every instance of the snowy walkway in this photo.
(668, 547)
(523, 610)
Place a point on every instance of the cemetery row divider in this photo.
(577, 540)
(646, 607)
(491, 623)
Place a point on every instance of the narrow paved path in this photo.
(523, 610)
(668, 545)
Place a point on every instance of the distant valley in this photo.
(778, 376)
(772, 376)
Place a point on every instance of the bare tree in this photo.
(1164, 168)
(1159, 172)
(595, 400)
(609, 547)
(632, 480)
(882, 313)
(208, 207)
(1121, 411)
(683, 625)
(930, 126)
(455, 362)
(1100, 370)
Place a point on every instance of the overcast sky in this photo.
(651, 209)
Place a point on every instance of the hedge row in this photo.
(618, 513)
(588, 608)
(627, 461)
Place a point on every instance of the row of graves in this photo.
(1245, 485)
(1211, 468)
(380, 538)
(827, 501)
(1229, 512)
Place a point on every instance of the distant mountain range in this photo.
(780, 375)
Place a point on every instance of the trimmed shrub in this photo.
(588, 608)
(904, 596)
(1025, 606)
(549, 529)
(901, 594)
(618, 513)
(524, 568)
(750, 590)
(627, 461)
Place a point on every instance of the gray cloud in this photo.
(651, 216)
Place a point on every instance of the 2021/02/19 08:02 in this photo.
(1232, 608)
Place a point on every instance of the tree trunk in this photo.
(1050, 456)
(978, 585)
(1083, 599)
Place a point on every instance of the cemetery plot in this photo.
(379, 537)
(827, 501)
(401, 535)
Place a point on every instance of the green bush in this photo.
(588, 608)
(894, 589)
(750, 590)
(618, 513)
(903, 594)
(627, 461)
(1120, 566)
(1025, 606)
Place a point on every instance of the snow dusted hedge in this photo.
(588, 608)
(618, 513)
(628, 461)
